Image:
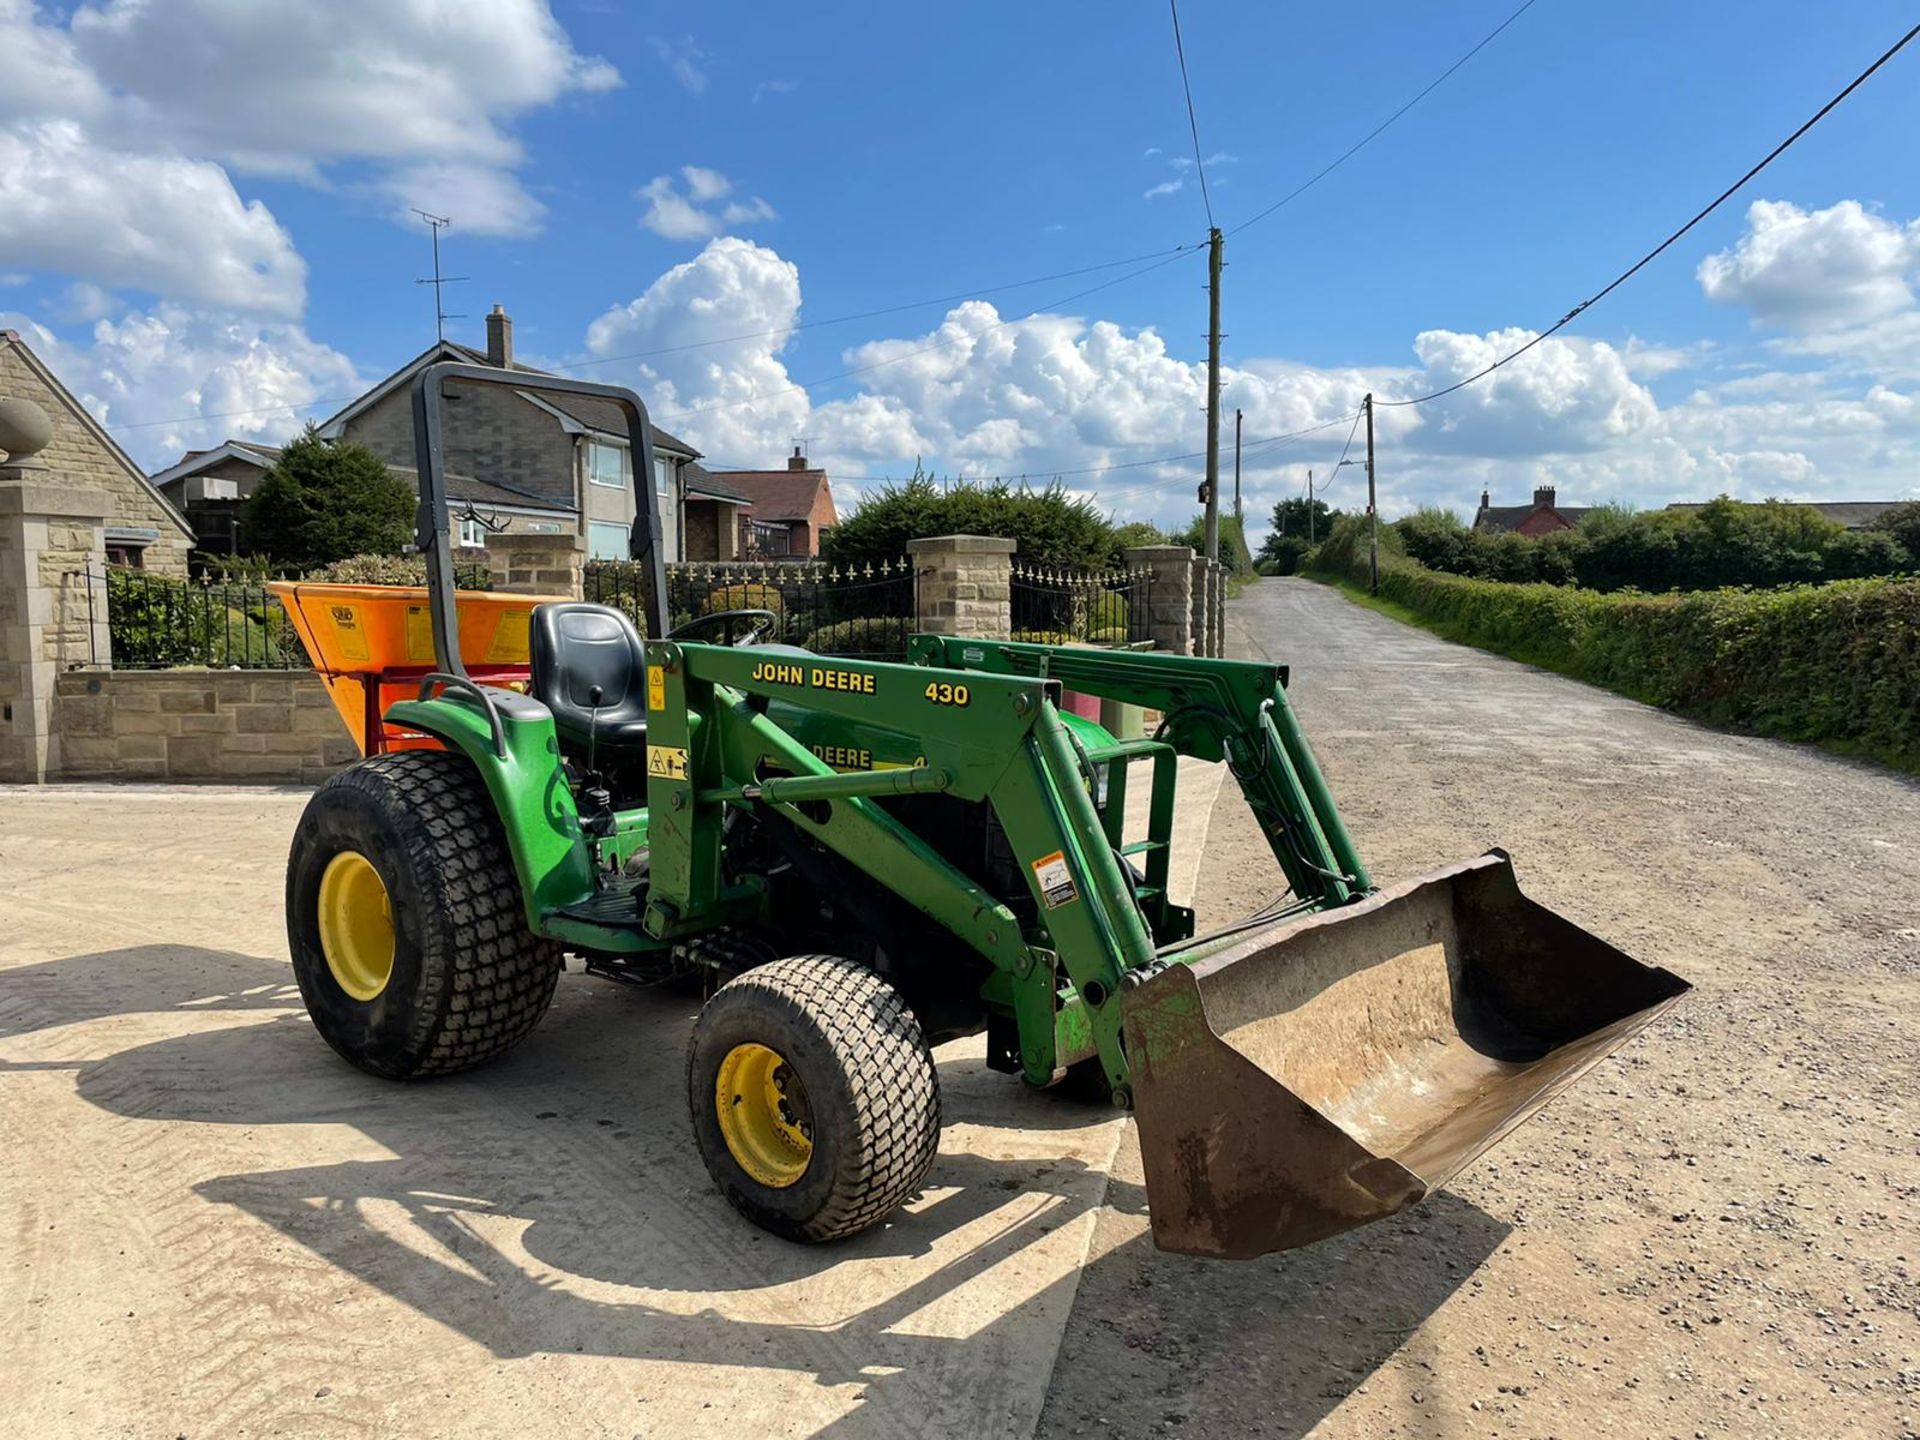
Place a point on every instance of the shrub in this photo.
(752, 595)
(1838, 662)
(1047, 526)
(872, 636)
(1720, 544)
(469, 570)
(156, 622)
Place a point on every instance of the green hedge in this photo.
(1837, 663)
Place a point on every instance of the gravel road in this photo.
(1717, 1233)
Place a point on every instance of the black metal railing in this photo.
(1058, 605)
(225, 622)
(163, 622)
(865, 610)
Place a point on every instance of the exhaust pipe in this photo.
(1329, 1072)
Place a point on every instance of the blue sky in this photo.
(203, 224)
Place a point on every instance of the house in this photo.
(142, 528)
(791, 509)
(210, 486)
(1542, 517)
(1853, 514)
(517, 461)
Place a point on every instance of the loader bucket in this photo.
(1326, 1073)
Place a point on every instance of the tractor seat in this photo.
(575, 647)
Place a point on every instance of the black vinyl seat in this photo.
(575, 647)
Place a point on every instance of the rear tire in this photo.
(454, 977)
(838, 1128)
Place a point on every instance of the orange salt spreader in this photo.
(373, 645)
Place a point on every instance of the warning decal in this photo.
(1050, 873)
(668, 761)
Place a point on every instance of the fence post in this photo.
(1170, 595)
(966, 585)
(52, 553)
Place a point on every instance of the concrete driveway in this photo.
(214, 1227)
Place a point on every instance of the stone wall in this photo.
(537, 564)
(263, 725)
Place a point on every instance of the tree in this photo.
(1903, 523)
(1288, 540)
(324, 500)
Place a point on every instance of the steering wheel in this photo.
(763, 625)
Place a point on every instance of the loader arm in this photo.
(1231, 710)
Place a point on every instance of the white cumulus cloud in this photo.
(161, 223)
(171, 379)
(704, 208)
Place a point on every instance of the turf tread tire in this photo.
(871, 1084)
(470, 979)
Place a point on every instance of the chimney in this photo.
(500, 338)
(797, 460)
(1543, 497)
(1486, 498)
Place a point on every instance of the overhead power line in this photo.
(1375, 133)
(1193, 125)
(1651, 255)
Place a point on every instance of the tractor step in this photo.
(618, 904)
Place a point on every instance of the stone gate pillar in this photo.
(53, 603)
(965, 585)
(1170, 622)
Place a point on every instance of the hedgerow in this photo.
(1836, 663)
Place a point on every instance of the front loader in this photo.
(855, 860)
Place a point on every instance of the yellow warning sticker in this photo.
(667, 761)
(1054, 880)
(656, 687)
(510, 640)
(419, 633)
(349, 639)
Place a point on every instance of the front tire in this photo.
(815, 1102)
(404, 915)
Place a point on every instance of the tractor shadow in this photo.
(553, 1202)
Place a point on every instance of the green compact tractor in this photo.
(855, 861)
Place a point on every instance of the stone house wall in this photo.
(80, 455)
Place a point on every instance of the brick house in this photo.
(1542, 517)
(791, 509)
(143, 528)
(517, 462)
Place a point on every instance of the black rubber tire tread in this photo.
(871, 1084)
(470, 979)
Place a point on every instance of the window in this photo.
(132, 556)
(606, 465)
(606, 541)
(472, 534)
(663, 474)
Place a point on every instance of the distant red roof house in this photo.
(791, 508)
(1542, 517)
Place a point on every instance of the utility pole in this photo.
(1238, 514)
(1373, 510)
(437, 223)
(1215, 244)
(1310, 507)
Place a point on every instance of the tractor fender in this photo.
(512, 744)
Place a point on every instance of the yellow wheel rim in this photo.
(356, 925)
(764, 1116)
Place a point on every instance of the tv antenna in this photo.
(437, 223)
